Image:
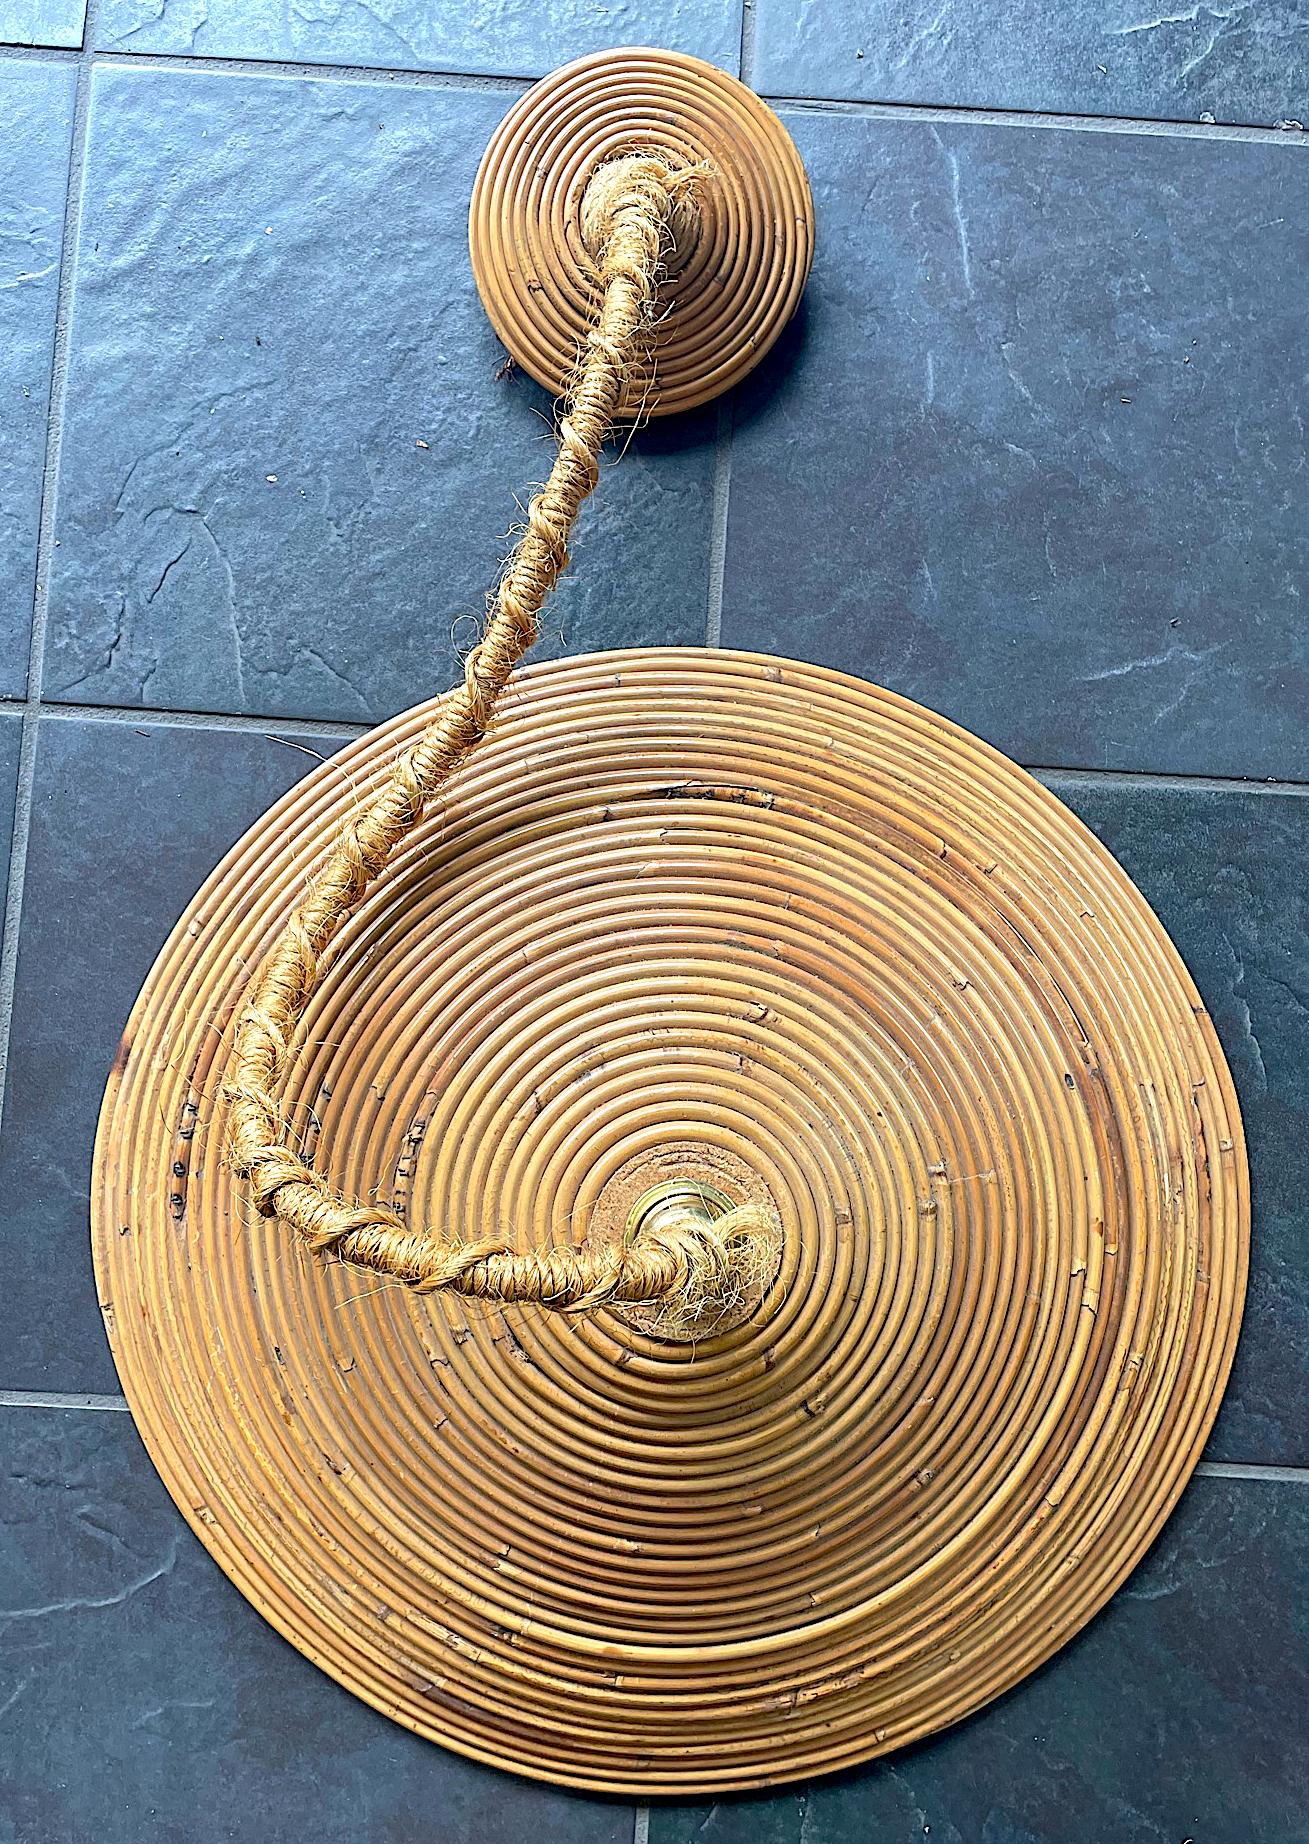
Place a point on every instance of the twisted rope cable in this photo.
(630, 208)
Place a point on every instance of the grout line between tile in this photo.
(146, 718)
(288, 68)
(44, 547)
(747, 58)
(1130, 777)
(641, 1826)
(720, 494)
(1238, 1469)
(42, 54)
(341, 728)
(1018, 118)
(58, 1399)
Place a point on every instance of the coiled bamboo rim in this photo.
(791, 924)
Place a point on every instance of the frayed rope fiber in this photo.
(636, 210)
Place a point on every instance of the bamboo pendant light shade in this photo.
(685, 925)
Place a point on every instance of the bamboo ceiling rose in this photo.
(737, 269)
(696, 956)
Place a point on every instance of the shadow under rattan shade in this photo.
(795, 926)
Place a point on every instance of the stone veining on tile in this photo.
(1246, 62)
(1032, 455)
(54, 23)
(36, 106)
(142, 1697)
(521, 38)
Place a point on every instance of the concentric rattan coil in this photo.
(695, 910)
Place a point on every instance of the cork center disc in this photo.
(731, 294)
(828, 945)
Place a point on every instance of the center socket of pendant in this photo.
(654, 1190)
(663, 1205)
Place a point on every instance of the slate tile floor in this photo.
(1034, 453)
(270, 446)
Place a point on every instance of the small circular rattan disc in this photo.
(746, 274)
(810, 932)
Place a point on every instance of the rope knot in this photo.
(719, 1262)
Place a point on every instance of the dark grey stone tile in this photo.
(1032, 455)
(42, 22)
(144, 1699)
(127, 822)
(36, 107)
(1230, 63)
(515, 38)
(1175, 1716)
(297, 505)
(1220, 869)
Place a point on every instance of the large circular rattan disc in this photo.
(746, 274)
(707, 907)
